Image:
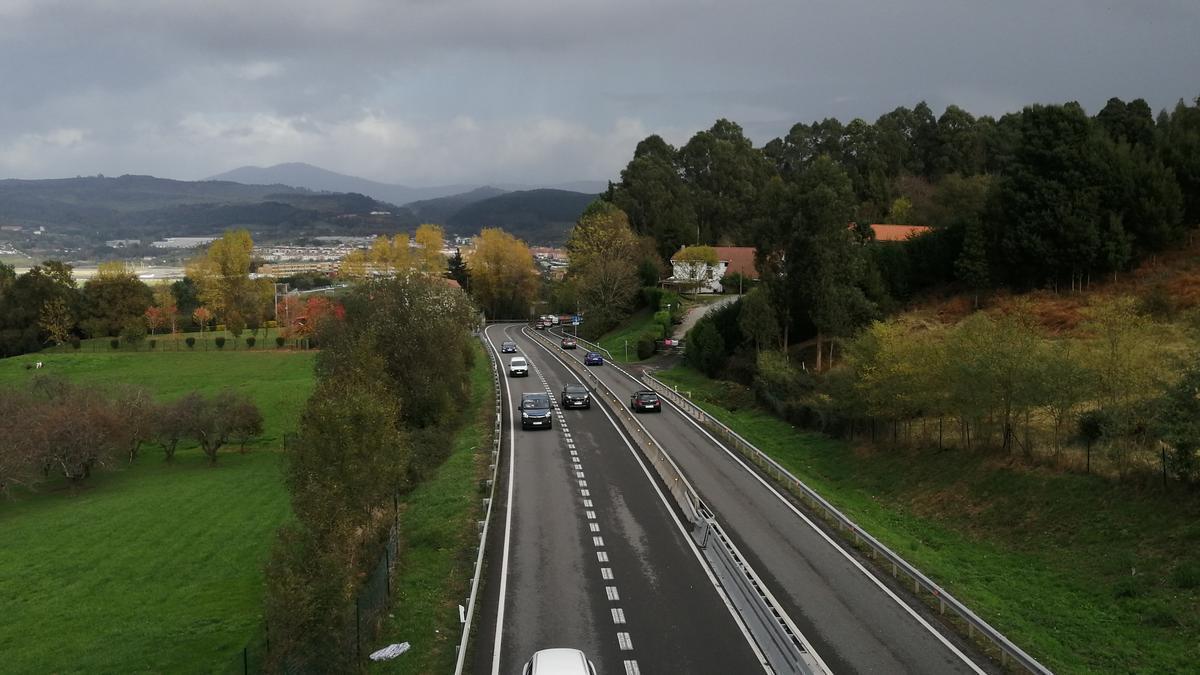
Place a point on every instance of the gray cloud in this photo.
(470, 91)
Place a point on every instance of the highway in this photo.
(856, 620)
(586, 552)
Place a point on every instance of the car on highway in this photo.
(518, 367)
(559, 661)
(568, 343)
(536, 412)
(508, 347)
(576, 396)
(645, 400)
(593, 359)
(539, 325)
(553, 318)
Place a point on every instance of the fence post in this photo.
(357, 628)
(387, 569)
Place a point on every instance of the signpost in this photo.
(575, 321)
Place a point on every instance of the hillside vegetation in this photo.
(537, 216)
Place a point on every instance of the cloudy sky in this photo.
(427, 92)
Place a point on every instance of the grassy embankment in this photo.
(149, 567)
(1085, 573)
(438, 534)
(621, 341)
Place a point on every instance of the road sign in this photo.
(576, 320)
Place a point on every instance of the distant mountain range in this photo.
(80, 213)
(301, 175)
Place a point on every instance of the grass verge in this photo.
(1086, 574)
(438, 534)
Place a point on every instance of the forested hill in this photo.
(87, 209)
(440, 210)
(537, 216)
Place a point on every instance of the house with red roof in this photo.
(730, 260)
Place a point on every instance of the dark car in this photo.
(568, 343)
(508, 347)
(539, 325)
(576, 396)
(645, 400)
(593, 359)
(536, 412)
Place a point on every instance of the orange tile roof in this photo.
(898, 232)
(740, 260)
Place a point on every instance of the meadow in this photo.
(149, 567)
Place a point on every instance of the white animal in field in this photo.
(39, 364)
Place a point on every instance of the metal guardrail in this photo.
(1009, 651)
(485, 524)
(776, 635)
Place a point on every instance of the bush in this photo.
(76, 343)
(279, 340)
(191, 342)
(272, 324)
(114, 343)
(645, 345)
(705, 348)
(250, 341)
(220, 341)
(1186, 576)
(153, 343)
(663, 319)
(221, 328)
(133, 332)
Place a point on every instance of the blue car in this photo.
(593, 359)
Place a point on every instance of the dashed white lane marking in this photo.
(598, 542)
(631, 668)
(583, 483)
(602, 556)
(618, 615)
(624, 642)
(579, 474)
(591, 515)
(595, 527)
(586, 493)
(606, 573)
(587, 503)
(612, 593)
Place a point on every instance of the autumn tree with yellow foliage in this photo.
(503, 276)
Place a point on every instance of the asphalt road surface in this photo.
(855, 620)
(587, 553)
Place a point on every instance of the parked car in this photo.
(518, 367)
(508, 347)
(559, 661)
(576, 396)
(536, 412)
(568, 343)
(593, 359)
(645, 400)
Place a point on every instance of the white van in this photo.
(518, 367)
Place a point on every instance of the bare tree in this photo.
(175, 421)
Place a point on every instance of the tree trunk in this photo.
(819, 351)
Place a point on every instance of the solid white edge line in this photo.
(499, 638)
(736, 457)
(737, 618)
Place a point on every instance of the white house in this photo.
(707, 278)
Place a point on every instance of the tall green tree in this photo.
(604, 253)
(654, 196)
(724, 172)
(112, 299)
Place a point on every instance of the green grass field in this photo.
(438, 532)
(151, 567)
(622, 340)
(1086, 574)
